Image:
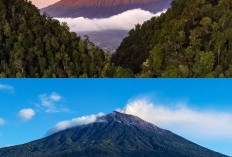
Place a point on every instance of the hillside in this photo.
(192, 39)
(114, 135)
(102, 8)
(34, 45)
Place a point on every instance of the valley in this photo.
(190, 39)
(108, 40)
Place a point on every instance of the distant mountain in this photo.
(102, 8)
(114, 135)
(32, 45)
(108, 40)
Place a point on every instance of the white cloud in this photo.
(55, 97)
(2, 121)
(180, 119)
(124, 21)
(74, 122)
(183, 120)
(26, 114)
(45, 100)
(6, 87)
(49, 103)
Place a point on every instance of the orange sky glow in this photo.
(43, 3)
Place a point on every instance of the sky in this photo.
(43, 3)
(200, 110)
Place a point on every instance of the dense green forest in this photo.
(192, 39)
(34, 45)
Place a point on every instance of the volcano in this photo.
(112, 135)
(102, 8)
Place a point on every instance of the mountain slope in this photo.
(114, 135)
(102, 8)
(34, 45)
(192, 39)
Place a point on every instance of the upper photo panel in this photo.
(116, 38)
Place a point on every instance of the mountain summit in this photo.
(129, 120)
(113, 135)
(102, 8)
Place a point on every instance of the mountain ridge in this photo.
(98, 3)
(102, 8)
(116, 135)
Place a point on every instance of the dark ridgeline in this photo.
(114, 135)
(102, 8)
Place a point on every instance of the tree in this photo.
(204, 64)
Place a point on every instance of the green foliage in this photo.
(34, 45)
(204, 64)
(123, 73)
(192, 39)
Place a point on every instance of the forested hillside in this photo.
(192, 39)
(32, 45)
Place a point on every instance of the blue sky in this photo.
(55, 100)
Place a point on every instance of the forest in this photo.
(34, 46)
(192, 39)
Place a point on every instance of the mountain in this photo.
(192, 39)
(113, 135)
(108, 40)
(34, 45)
(102, 8)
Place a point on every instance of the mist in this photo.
(182, 119)
(124, 21)
(84, 120)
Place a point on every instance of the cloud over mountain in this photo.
(63, 125)
(182, 119)
(124, 21)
